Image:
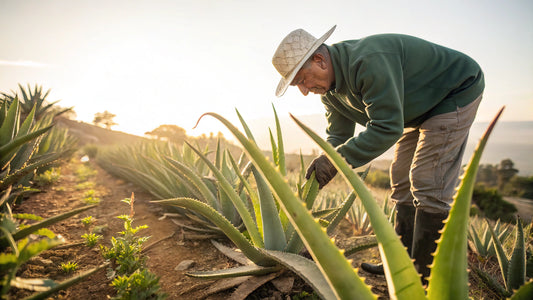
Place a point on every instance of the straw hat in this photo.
(292, 53)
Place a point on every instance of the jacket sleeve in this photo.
(379, 78)
(339, 128)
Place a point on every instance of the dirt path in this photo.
(166, 248)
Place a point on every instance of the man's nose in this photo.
(303, 89)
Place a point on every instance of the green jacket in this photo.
(388, 82)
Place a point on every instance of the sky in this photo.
(169, 61)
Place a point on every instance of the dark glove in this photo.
(324, 170)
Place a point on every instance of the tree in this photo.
(171, 133)
(104, 119)
(506, 171)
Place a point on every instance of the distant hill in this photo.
(513, 140)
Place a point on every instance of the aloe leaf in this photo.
(338, 271)
(245, 126)
(47, 222)
(196, 181)
(33, 284)
(273, 233)
(525, 292)
(305, 269)
(9, 126)
(234, 272)
(21, 140)
(339, 215)
(67, 283)
(516, 274)
(221, 222)
(31, 249)
(477, 242)
(369, 242)
(310, 191)
(232, 253)
(254, 198)
(500, 254)
(236, 200)
(281, 149)
(450, 262)
(400, 272)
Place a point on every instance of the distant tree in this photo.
(506, 171)
(171, 133)
(104, 119)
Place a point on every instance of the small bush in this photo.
(69, 267)
(91, 239)
(90, 150)
(48, 177)
(492, 205)
(378, 178)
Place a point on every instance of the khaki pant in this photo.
(427, 160)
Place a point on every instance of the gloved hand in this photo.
(324, 170)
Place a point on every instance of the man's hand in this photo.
(324, 170)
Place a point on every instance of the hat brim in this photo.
(285, 82)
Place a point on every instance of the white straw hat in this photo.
(292, 53)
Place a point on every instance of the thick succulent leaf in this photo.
(67, 283)
(338, 271)
(235, 199)
(197, 181)
(305, 269)
(234, 272)
(401, 275)
(502, 257)
(47, 222)
(516, 274)
(232, 253)
(525, 292)
(273, 233)
(229, 230)
(254, 198)
(33, 284)
(245, 127)
(450, 262)
(31, 249)
(280, 162)
(341, 212)
(9, 126)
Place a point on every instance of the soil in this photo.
(169, 244)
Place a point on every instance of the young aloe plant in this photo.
(513, 270)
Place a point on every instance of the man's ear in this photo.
(320, 60)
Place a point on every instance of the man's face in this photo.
(314, 78)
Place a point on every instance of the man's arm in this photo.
(379, 78)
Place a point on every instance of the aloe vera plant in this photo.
(448, 279)
(274, 242)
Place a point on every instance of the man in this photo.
(407, 92)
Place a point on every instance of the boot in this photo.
(405, 219)
(426, 233)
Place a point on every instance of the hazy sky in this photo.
(167, 62)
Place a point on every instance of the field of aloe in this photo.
(253, 229)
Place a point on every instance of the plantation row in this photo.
(273, 217)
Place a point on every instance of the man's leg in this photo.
(434, 175)
(401, 192)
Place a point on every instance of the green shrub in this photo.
(492, 205)
(49, 177)
(90, 150)
(378, 178)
